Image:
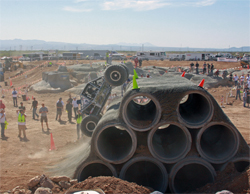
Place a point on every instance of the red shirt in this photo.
(2, 106)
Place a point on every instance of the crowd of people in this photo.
(72, 106)
(207, 68)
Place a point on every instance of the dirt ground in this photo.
(22, 160)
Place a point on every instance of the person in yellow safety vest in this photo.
(78, 124)
(21, 124)
(107, 57)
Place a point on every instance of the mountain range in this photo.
(19, 44)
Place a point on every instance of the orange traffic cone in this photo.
(11, 83)
(52, 144)
(32, 98)
(183, 74)
(201, 84)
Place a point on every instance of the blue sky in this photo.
(167, 23)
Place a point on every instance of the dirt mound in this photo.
(229, 179)
(110, 185)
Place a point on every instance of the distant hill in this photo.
(19, 44)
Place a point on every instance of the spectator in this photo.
(44, 110)
(136, 62)
(21, 123)
(78, 123)
(245, 98)
(197, 67)
(148, 76)
(238, 87)
(212, 68)
(107, 58)
(140, 62)
(70, 99)
(236, 80)
(14, 96)
(75, 105)
(2, 122)
(242, 79)
(21, 107)
(191, 67)
(59, 108)
(208, 67)
(110, 57)
(34, 106)
(231, 77)
(69, 110)
(2, 105)
(204, 68)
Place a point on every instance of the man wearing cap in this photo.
(34, 106)
(21, 107)
(21, 123)
(44, 110)
(75, 106)
(69, 110)
(14, 96)
(2, 122)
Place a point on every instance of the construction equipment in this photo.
(96, 93)
(10, 65)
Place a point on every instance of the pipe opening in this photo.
(194, 109)
(114, 144)
(170, 142)
(218, 142)
(241, 166)
(141, 112)
(146, 173)
(94, 170)
(192, 176)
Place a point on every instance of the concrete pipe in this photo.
(241, 163)
(195, 109)
(141, 111)
(190, 174)
(169, 142)
(145, 171)
(95, 168)
(217, 142)
(114, 143)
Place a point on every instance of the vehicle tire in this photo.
(115, 75)
(125, 67)
(88, 124)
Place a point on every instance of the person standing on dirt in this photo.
(236, 80)
(59, 108)
(2, 105)
(212, 68)
(22, 107)
(191, 67)
(197, 67)
(136, 62)
(204, 68)
(78, 123)
(245, 98)
(2, 122)
(70, 99)
(107, 58)
(242, 79)
(69, 110)
(75, 106)
(208, 68)
(21, 123)
(238, 87)
(34, 106)
(14, 96)
(140, 62)
(44, 110)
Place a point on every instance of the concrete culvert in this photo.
(146, 171)
(141, 111)
(241, 163)
(94, 169)
(217, 142)
(195, 110)
(169, 142)
(115, 143)
(190, 174)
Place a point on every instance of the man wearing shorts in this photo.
(44, 110)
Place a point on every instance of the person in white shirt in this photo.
(236, 80)
(14, 96)
(2, 122)
(242, 78)
(75, 106)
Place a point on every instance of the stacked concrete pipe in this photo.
(169, 135)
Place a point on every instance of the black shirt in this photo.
(34, 104)
(59, 106)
